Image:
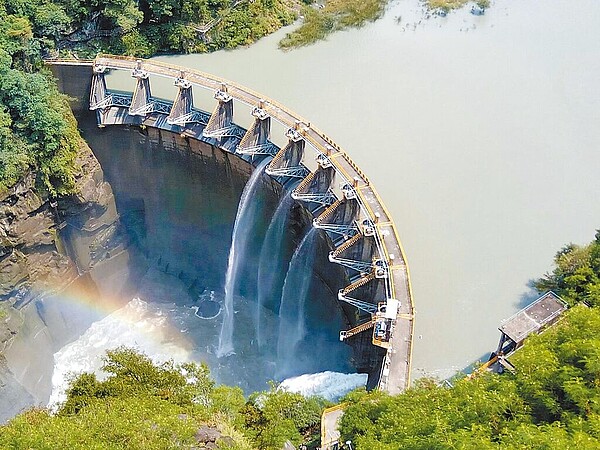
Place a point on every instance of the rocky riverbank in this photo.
(46, 245)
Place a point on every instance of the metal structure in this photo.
(543, 312)
(341, 198)
(316, 188)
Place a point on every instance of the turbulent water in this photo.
(330, 385)
(138, 325)
(178, 209)
(151, 329)
(244, 221)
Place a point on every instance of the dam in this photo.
(319, 175)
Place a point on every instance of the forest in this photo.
(38, 133)
(146, 27)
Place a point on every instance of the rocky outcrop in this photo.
(211, 438)
(46, 245)
(35, 253)
(29, 254)
(206, 434)
(89, 221)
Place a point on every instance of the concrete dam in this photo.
(330, 196)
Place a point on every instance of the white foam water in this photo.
(137, 325)
(244, 219)
(329, 385)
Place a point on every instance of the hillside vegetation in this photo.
(37, 129)
(449, 5)
(141, 405)
(145, 27)
(551, 402)
(335, 15)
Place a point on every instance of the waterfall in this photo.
(244, 217)
(270, 275)
(293, 300)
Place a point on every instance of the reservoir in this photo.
(479, 132)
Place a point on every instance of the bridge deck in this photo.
(395, 375)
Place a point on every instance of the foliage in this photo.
(143, 28)
(559, 371)
(37, 128)
(449, 5)
(275, 416)
(552, 401)
(247, 23)
(446, 5)
(576, 276)
(161, 406)
(133, 374)
(430, 416)
(335, 15)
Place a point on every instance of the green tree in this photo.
(38, 121)
(576, 276)
(123, 13)
(273, 417)
(51, 20)
(140, 405)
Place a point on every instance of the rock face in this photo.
(46, 246)
(28, 252)
(207, 434)
(211, 438)
(34, 254)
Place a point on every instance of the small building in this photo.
(540, 314)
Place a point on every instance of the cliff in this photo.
(47, 245)
(33, 256)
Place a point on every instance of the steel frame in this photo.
(363, 306)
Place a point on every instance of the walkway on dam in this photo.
(395, 373)
(330, 434)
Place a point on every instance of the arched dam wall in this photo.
(365, 268)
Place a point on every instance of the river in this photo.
(480, 133)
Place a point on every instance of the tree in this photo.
(576, 276)
(273, 417)
(123, 13)
(140, 405)
(51, 20)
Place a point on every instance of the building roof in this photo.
(531, 319)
